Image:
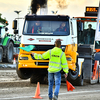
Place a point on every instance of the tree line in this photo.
(3, 20)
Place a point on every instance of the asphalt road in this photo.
(13, 88)
(24, 91)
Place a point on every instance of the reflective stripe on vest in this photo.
(54, 62)
(61, 55)
(64, 64)
(65, 68)
(38, 56)
(41, 57)
(55, 67)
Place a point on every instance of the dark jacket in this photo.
(88, 36)
(36, 29)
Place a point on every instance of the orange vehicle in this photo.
(88, 48)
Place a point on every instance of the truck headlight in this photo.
(68, 58)
(23, 58)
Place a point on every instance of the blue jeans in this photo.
(51, 77)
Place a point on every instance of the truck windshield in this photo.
(86, 32)
(46, 28)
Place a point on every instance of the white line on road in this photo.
(7, 70)
(78, 92)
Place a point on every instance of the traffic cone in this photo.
(70, 87)
(37, 93)
(14, 61)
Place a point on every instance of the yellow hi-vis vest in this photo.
(57, 60)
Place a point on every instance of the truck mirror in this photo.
(6, 29)
(15, 31)
(14, 24)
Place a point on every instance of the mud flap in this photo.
(80, 61)
(87, 69)
(95, 73)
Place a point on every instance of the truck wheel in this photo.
(23, 73)
(1, 54)
(79, 81)
(45, 79)
(9, 53)
(74, 74)
(37, 78)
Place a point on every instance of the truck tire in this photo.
(37, 78)
(79, 81)
(23, 73)
(9, 53)
(74, 74)
(1, 54)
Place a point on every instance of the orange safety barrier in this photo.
(95, 71)
(70, 87)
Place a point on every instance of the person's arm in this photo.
(33, 29)
(39, 30)
(66, 75)
(45, 55)
(64, 65)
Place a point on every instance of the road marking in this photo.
(70, 92)
(91, 91)
(8, 71)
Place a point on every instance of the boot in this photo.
(55, 97)
(50, 98)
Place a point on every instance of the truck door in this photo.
(74, 30)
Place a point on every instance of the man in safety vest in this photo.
(57, 61)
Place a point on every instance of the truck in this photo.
(88, 48)
(43, 40)
(7, 44)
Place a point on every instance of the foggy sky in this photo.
(73, 8)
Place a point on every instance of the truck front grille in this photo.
(42, 63)
(42, 47)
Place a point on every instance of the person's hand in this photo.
(66, 76)
(33, 54)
